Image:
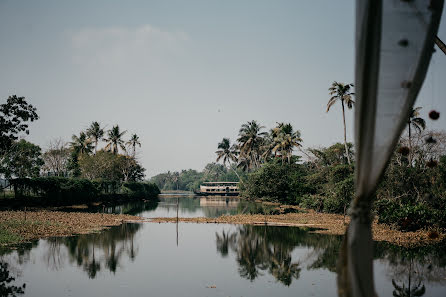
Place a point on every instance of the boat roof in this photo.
(220, 182)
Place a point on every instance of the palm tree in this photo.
(284, 140)
(95, 132)
(417, 123)
(341, 92)
(250, 142)
(114, 140)
(227, 153)
(81, 144)
(133, 142)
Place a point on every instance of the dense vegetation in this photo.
(190, 180)
(75, 172)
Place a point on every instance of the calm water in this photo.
(206, 260)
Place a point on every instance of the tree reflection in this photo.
(258, 249)
(93, 252)
(261, 249)
(6, 288)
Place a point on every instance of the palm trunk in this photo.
(345, 133)
(410, 147)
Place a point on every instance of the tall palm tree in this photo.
(227, 153)
(133, 142)
(285, 139)
(341, 92)
(250, 142)
(114, 140)
(81, 144)
(95, 132)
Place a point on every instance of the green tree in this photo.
(81, 144)
(341, 92)
(251, 141)
(227, 153)
(418, 124)
(285, 139)
(114, 140)
(14, 117)
(133, 142)
(95, 133)
(22, 160)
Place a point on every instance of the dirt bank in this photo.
(326, 224)
(20, 226)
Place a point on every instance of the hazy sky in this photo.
(184, 74)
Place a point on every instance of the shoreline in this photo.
(323, 223)
(18, 227)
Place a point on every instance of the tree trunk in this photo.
(410, 147)
(345, 133)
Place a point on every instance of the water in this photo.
(206, 260)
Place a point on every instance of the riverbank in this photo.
(323, 223)
(20, 226)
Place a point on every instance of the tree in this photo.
(22, 160)
(341, 92)
(95, 132)
(114, 140)
(227, 153)
(56, 158)
(250, 142)
(418, 124)
(81, 144)
(14, 117)
(284, 140)
(133, 142)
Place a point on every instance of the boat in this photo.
(218, 189)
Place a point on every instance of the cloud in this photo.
(120, 46)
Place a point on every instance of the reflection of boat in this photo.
(220, 201)
(218, 189)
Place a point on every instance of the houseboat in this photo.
(219, 189)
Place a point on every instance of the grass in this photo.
(7, 236)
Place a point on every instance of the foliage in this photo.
(109, 166)
(114, 140)
(95, 133)
(56, 158)
(22, 160)
(275, 182)
(62, 190)
(14, 117)
(341, 92)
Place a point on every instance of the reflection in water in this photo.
(94, 251)
(261, 249)
(6, 286)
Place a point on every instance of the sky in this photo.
(184, 74)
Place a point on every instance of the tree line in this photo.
(76, 164)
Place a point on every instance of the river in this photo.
(187, 259)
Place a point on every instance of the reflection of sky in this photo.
(161, 268)
(188, 207)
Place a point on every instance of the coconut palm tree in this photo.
(285, 139)
(417, 123)
(133, 142)
(95, 132)
(341, 92)
(114, 140)
(250, 141)
(227, 153)
(81, 144)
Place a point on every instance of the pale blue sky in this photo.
(184, 74)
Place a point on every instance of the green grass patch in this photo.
(8, 237)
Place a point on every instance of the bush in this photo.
(275, 182)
